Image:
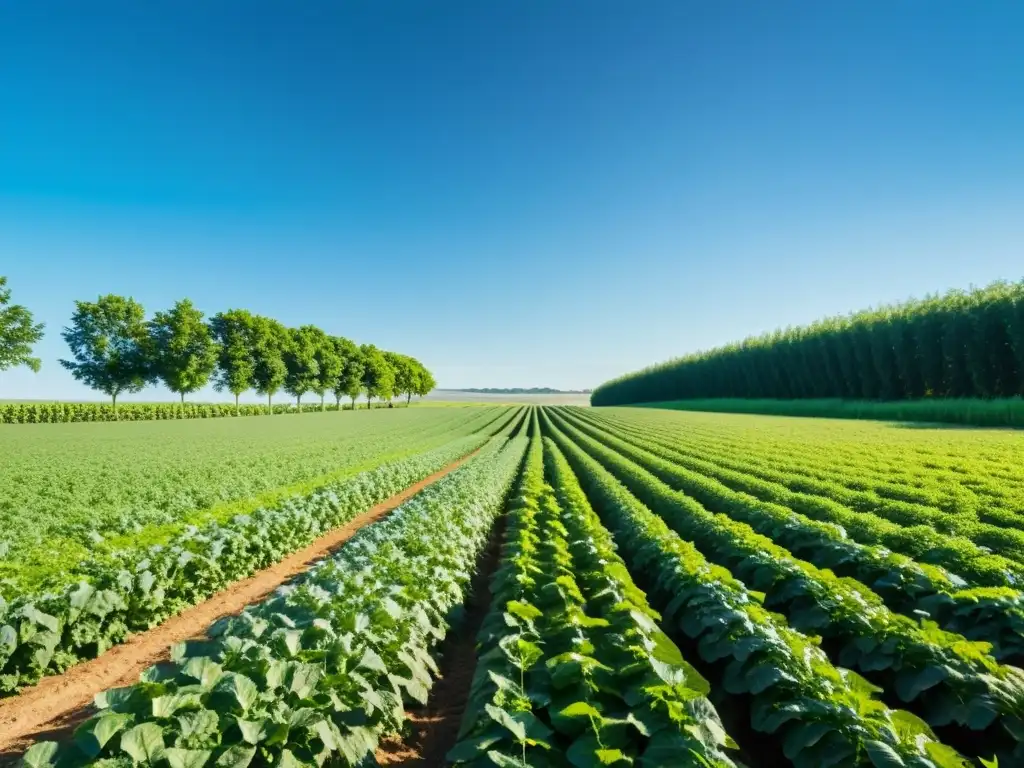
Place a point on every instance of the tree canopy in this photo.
(110, 346)
(183, 352)
(18, 334)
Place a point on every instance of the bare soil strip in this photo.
(56, 705)
(433, 729)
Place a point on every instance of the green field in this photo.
(70, 492)
(750, 590)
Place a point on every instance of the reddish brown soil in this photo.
(56, 705)
(433, 729)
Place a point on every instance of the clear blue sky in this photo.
(518, 193)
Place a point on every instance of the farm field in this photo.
(70, 491)
(661, 588)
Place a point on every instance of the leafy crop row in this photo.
(817, 714)
(47, 633)
(573, 668)
(822, 500)
(320, 671)
(994, 615)
(947, 678)
(56, 413)
(975, 473)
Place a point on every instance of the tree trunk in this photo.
(298, 403)
(353, 403)
(236, 403)
(337, 401)
(408, 399)
(114, 396)
(323, 407)
(269, 405)
(182, 399)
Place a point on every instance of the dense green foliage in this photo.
(18, 333)
(961, 344)
(135, 589)
(573, 669)
(673, 589)
(818, 715)
(64, 413)
(110, 346)
(73, 493)
(115, 350)
(317, 673)
(967, 411)
(964, 684)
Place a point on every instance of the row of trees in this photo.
(116, 350)
(960, 344)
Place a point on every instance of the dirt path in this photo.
(56, 705)
(434, 728)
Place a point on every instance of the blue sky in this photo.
(519, 194)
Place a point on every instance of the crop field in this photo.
(567, 587)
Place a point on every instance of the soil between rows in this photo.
(55, 706)
(432, 730)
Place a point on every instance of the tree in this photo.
(350, 378)
(269, 339)
(109, 343)
(424, 381)
(236, 364)
(17, 333)
(378, 375)
(405, 373)
(183, 353)
(330, 364)
(303, 370)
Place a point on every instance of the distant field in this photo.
(453, 396)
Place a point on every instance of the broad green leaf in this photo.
(145, 743)
(237, 756)
(41, 755)
(187, 758)
(92, 735)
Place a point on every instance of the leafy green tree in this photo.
(300, 360)
(329, 363)
(424, 381)
(183, 352)
(236, 364)
(109, 345)
(378, 375)
(405, 374)
(17, 332)
(270, 340)
(349, 381)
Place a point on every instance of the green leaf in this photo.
(237, 756)
(188, 758)
(505, 761)
(523, 610)
(92, 735)
(580, 709)
(145, 743)
(506, 719)
(240, 688)
(41, 755)
(882, 755)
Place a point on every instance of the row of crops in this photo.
(82, 610)
(672, 590)
(62, 413)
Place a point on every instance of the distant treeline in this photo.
(115, 349)
(523, 391)
(960, 344)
